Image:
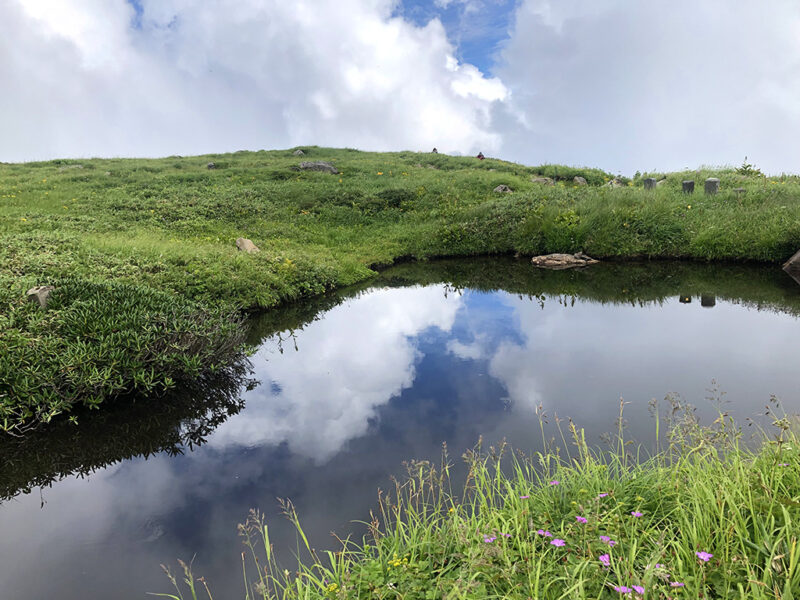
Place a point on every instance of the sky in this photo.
(616, 84)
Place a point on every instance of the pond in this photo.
(345, 388)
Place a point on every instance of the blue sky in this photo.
(614, 84)
(477, 28)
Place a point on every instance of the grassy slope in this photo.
(143, 253)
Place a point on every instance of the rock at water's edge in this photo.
(792, 266)
(563, 261)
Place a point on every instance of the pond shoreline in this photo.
(154, 284)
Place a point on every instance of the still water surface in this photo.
(347, 387)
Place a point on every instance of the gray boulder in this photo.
(323, 167)
(40, 295)
(211, 165)
(245, 245)
(543, 180)
(661, 182)
(563, 261)
(298, 152)
(578, 180)
(503, 188)
(792, 266)
(712, 186)
(650, 183)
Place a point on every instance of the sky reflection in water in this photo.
(384, 377)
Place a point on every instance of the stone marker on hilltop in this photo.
(563, 261)
(688, 186)
(40, 295)
(650, 183)
(712, 186)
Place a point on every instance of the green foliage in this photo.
(170, 225)
(703, 518)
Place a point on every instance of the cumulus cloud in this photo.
(653, 85)
(357, 358)
(183, 76)
(621, 85)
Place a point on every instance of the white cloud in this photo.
(198, 77)
(654, 85)
(349, 363)
(608, 83)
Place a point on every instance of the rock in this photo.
(543, 180)
(740, 191)
(650, 183)
(661, 182)
(708, 301)
(245, 245)
(503, 188)
(615, 183)
(712, 185)
(578, 180)
(298, 152)
(563, 261)
(792, 266)
(40, 294)
(211, 165)
(688, 186)
(322, 167)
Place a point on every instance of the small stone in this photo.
(323, 167)
(650, 183)
(543, 180)
(615, 183)
(578, 180)
(688, 186)
(708, 301)
(563, 261)
(503, 188)
(661, 182)
(245, 245)
(298, 152)
(712, 185)
(211, 165)
(40, 294)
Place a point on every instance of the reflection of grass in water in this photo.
(634, 283)
(704, 517)
(171, 424)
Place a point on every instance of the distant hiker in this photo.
(480, 156)
(434, 151)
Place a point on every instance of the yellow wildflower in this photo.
(380, 172)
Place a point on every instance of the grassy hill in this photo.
(150, 286)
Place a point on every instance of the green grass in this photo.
(624, 521)
(131, 242)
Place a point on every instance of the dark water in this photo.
(345, 388)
